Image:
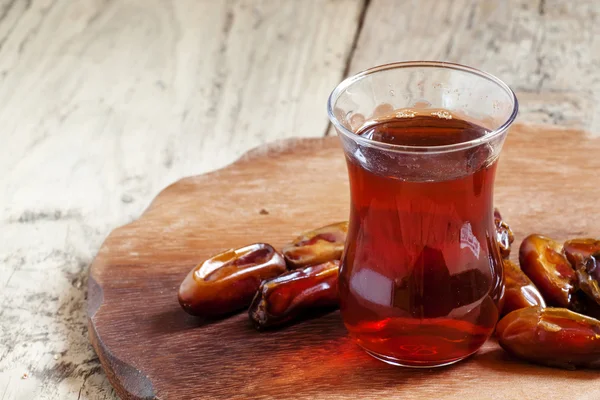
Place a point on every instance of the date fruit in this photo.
(504, 235)
(287, 296)
(556, 337)
(519, 292)
(318, 246)
(583, 304)
(228, 281)
(588, 273)
(577, 250)
(543, 261)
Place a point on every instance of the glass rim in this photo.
(348, 82)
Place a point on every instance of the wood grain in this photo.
(104, 103)
(152, 349)
(548, 51)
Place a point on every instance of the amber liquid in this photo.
(421, 273)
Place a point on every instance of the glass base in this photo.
(413, 364)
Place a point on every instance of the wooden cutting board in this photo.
(548, 182)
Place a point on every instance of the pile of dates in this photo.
(277, 287)
(550, 307)
(551, 301)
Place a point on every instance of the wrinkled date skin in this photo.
(519, 292)
(555, 337)
(318, 246)
(577, 250)
(588, 273)
(286, 297)
(228, 281)
(504, 235)
(544, 263)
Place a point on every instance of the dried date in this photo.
(318, 246)
(556, 337)
(588, 273)
(543, 261)
(585, 305)
(228, 281)
(519, 292)
(504, 235)
(296, 292)
(577, 250)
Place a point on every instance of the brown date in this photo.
(504, 235)
(228, 281)
(287, 296)
(519, 292)
(583, 304)
(556, 337)
(588, 273)
(543, 261)
(318, 246)
(578, 249)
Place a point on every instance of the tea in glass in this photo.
(421, 274)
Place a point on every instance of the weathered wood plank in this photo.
(106, 102)
(548, 51)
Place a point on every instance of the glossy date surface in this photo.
(317, 246)
(228, 281)
(588, 273)
(543, 261)
(555, 337)
(519, 291)
(504, 235)
(577, 250)
(281, 299)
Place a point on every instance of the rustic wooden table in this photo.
(106, 102)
